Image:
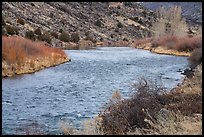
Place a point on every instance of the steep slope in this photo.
(103, 20)
(192, 11)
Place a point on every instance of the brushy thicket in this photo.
(178, 43)
(16, 49)
(148, 100)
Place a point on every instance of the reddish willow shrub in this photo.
(16, 49)
(142, 41)
(178, 43)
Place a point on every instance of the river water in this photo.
(77, 90)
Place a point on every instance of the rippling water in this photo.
(77, 90)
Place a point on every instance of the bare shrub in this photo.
(149, 110)
(195, 58)
(170, 23)
(127, 114)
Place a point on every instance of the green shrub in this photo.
(30, 35)
(98, 23)
(38, 31)
(112, 35)
(89, 36)
(21, 21)
(75, 37)
(125, 39)
(119, 25)
(54, 34)
(11, 30)
(45, 37)
(64, 36)
(32, 4)
(3, 22)
(61, 30)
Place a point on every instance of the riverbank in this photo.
(178, 112)
(170, 45)
(163, 50)
(21, 56)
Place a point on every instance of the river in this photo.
(77, 90)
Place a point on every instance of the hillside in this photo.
(99, 20)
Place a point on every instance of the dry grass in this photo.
(176, 124)
(18, 52)
(66, 128)
(88, 127)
